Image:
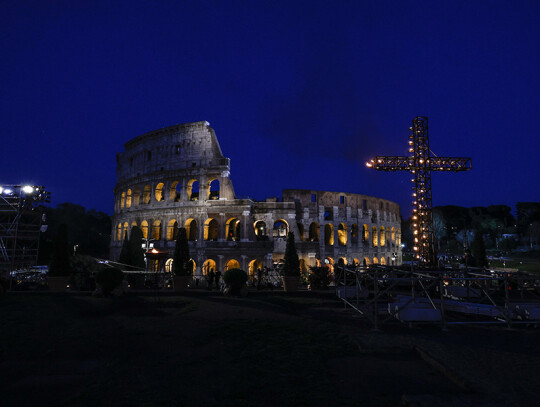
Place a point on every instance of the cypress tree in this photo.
(125, 254)
(479, 250)
(292, 263)
(60, 258)
(181, 256)
(136, 251)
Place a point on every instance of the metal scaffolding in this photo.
(421, 163)
(21, 220)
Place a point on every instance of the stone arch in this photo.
(172, 229)
(374, 237)
(393, 235)
(281, 228)
(301, 231)
(365, 234)
(208, 265)
(232, 229)
(232, 264)
(252, 269)
(136, 196)
(329, 262)
(211, 229)
(191, 265)
(356, 262)
(128, 198)
(156, 230)
(125, 229)
(133, 224)
(342, 234)
(122, 200)
(260, 230)
(366, 261)
(169, 265)
(213, 189)
(174, 191)
(329, 234)
(192, 229)
(192, 190)
(158, 192)
(119, 232)
(375, 260)
(383, 261)
(382, 237)
(398, 237)
(354, 234)
(314, 232)
(144, 228)
(147, 195)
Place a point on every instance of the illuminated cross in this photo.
(421, 163)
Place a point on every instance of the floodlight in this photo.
(8, 191)
(1, 190)
(27, 189)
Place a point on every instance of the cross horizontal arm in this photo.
(397, 163)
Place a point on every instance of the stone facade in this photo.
(178, 176)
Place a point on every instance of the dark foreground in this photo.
(269, 349)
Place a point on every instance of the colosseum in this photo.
(178, 176)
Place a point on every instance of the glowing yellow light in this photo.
(369, 165)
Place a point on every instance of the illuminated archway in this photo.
(342, 234)
(329, 234)
(156, 230)
(260, 230)
(375, 237)
(169, 265)
(147, 194)
(393, 235)
(144, 228)
(366, 261)
(119, 232)
(125, 231)
(329, 262)
(252, 268)
(383, 261)
(232, 264)
(301, 231)
(136, 196)
(192, 230)
(174, 191)
(209, 265)
(382, 238)
(281, 228)
(213, 189)
(122, 199)
(354, 234)
(314, 232)
(365, 234)
(128, 198)
(232, 229)
(158, 193)
(211, 229)
(375, 260)
(193, 190)
(172, 229)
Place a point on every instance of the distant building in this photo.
(178, 176)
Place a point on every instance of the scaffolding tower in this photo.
(21, 221)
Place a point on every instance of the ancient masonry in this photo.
(178, 176)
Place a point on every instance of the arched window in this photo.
(119, 232)
(354, 233)
(233, 229)
(260, 230)
(342, 234)
(168, 265)
(192, 230)
(232, 264)
(174, 191)
(125, 231)
(281, 228)
(156, 230)
(147, 194)
(172, 229)
(193, 190)
(329, 234)
(365, 234)
(393, 235)
(144, 228)
(366, 261)
(375, 260)
(211, 229)
(253, 266)
(383, 261)
(213, 189)
(208, 265)
(158, 193)
(375, 237)
(128, 198)
(122, 199)
(133, 224)
(314, 232)
(301, 231)
(382, 238)
(136, 196)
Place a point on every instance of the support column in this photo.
(222, 228)
(245, 237)
(244, 263)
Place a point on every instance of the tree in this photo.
(60, 257)
(439, 228)
(292, 262)
(181, 256)
(125, 254)
(136, 251)
(479, 250)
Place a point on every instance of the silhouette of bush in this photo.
(109, 279)
(235, 280)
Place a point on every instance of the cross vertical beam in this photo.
(421, 163)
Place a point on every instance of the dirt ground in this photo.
(269, 349)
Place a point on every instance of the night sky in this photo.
(300, 93)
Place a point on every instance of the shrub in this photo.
(235, 279)
(319, 278)
(292, 263)
(109, 279)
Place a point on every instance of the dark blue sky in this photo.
(300, 93)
